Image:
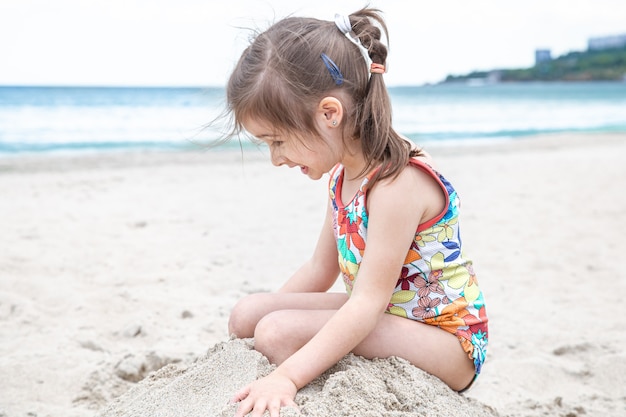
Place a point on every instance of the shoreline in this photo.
(116, 265)
(111, 159)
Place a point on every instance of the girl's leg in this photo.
(281, 333)
(252, 308)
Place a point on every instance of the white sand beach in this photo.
(118, 272)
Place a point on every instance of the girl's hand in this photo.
(269, 393)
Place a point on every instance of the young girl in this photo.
(313, 91)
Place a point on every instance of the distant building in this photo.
(542, 55)
(606, 42)
(494, 76)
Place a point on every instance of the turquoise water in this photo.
(506, 111)
(48, 119)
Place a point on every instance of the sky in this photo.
(197, 42)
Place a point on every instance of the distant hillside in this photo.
(591, 65)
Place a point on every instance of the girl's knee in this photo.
(241, 322)
(271, 327)
(246, 314)
(236, 321)
(271, 334)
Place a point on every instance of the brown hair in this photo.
(281, 77)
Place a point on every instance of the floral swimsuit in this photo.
(437, 284)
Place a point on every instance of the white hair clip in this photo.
(343, 23)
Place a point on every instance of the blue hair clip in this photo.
(333, 69)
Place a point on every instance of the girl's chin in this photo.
(314, 175)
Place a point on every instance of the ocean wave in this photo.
(40, 119)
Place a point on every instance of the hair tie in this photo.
(377, 68)
(343, 24)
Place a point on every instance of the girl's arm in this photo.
(320, 272)
(396, 208)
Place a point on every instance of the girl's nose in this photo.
(277, 159)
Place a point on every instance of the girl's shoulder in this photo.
(424, 159)
(414, 179)
(417, 188)
(418, 171)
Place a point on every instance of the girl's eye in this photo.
(277, 143)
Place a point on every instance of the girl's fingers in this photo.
(274, 408)
(258, 409)
(240, 395)
(244, 408)
(246, 405)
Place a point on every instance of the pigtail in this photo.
(379, 141)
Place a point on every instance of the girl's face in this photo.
(314, 159)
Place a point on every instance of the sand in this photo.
(118, 272)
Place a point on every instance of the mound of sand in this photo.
(353, 387)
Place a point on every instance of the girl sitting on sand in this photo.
(313, 91)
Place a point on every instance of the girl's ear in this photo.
(330, 111)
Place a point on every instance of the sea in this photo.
(48, 120)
